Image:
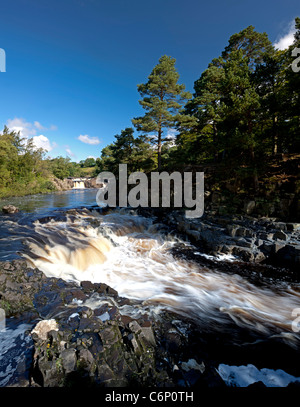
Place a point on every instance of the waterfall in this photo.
(78, 184)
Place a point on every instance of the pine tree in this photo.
(293, 91)
(203, 137)
(163, 99)
(254, 46)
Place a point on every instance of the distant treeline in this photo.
(24, 169)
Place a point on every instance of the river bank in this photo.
(42, 186)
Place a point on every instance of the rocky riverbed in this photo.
(88, 335)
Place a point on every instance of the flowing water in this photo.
(130, 254)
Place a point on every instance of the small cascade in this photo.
(78, 184)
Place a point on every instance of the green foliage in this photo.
(23, 169)
(137, 153)
(62, 167)
(246, 105)
(88, 162)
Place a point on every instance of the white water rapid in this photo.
(128, 253)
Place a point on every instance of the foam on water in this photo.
(243, 376)
(14, 344)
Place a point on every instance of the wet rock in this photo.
(10, 209)
(89, 287)
(288, 254)
(266, 236)
(193, 234)
(105, 289)
(69, 360)
(293, 226)
(277, 246)
(244, 253)
(280, 235)
(259, 257)
(279, 226)
(193, 364)
(247, 238)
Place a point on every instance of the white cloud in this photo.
(26, 129)
(70, 152)
(29, 130)
(286, 39)
(41, 127)
(38, 126)
(43, 142)
(89, 140)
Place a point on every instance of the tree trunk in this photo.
(251, 151)
(216, 154)
(159, 150)
(255, 177)
(274, 136)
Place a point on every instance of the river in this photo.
(131, 254)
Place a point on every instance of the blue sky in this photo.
(72, 66)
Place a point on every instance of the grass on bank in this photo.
(18, 188)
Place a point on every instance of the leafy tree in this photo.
(137, 153)
(8, 157)
(107, 161)
(123, 145)
(89, 162)
(60, 167)
(163, 99)
(74, 169)
(22, 165)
